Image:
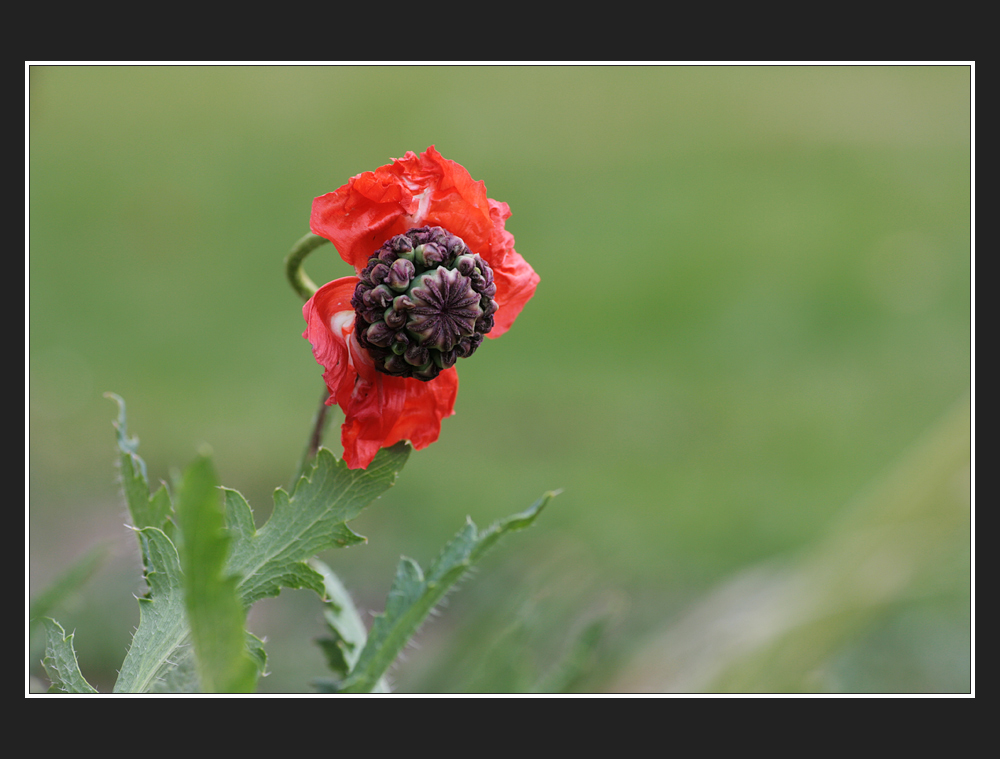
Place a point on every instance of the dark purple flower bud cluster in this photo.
(424, 301)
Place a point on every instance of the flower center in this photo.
(423, 301)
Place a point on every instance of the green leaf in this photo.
(311, 520)
(215, 614)
(255, 650)
(342, 617)
(60, 661)
(161, 643)
(229, 563)
(348, 634)
(146, 511)
(413, 595)
(160, 657)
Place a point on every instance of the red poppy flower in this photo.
(437, 272)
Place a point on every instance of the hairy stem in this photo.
(320, 422)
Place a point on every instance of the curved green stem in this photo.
(299, 280)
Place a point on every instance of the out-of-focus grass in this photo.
(755, 296)
(791, 626)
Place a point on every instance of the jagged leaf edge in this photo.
(311, 520)
(60, 661)
(163, 629)
(413, 594)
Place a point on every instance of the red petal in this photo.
(447, 196)
(427, 403)
(412, 191)
(516, 282)
(515, 279)
(426, 190)
(329, 345)
(382, 412)
(362, 214)
(379, 410)
(371, 409)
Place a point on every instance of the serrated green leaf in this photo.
(258, 563)
(161, 642)
(413, 595)
(60, 661)
(160, 656)
(146, 511)
(311, 520)
(215, 614)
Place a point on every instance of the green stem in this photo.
(320, 422)
(306, 288)
(299, 280)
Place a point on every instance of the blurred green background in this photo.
(747, 364)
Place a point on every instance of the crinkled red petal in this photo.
(379, 410)
(330, 349)
(515, 279)
(426, 190)
(427, 403)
